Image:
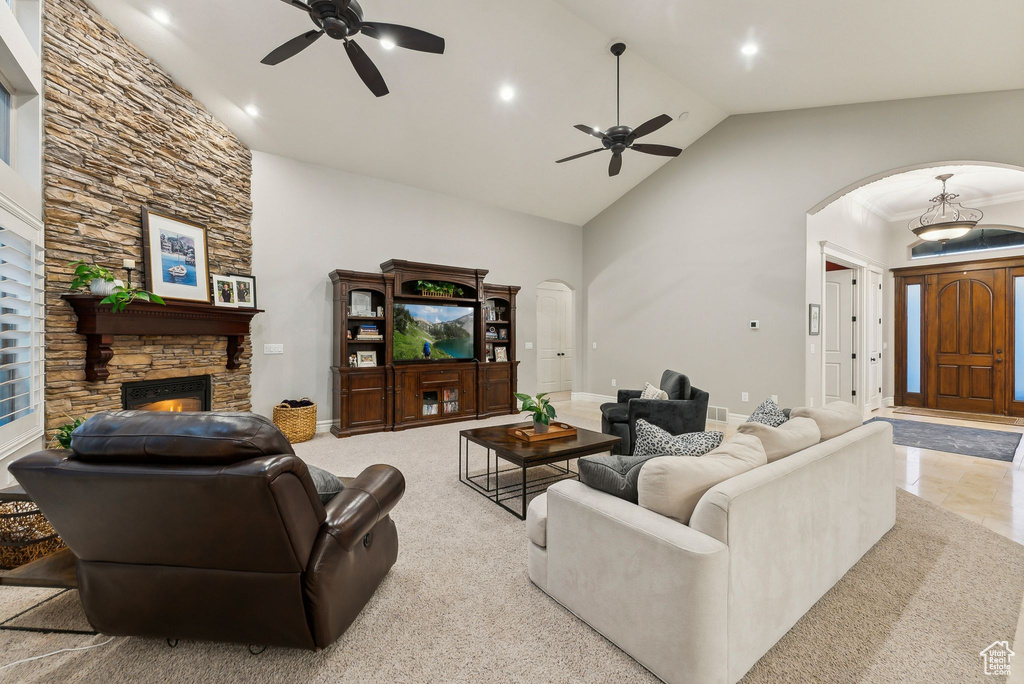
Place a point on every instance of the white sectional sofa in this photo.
(701, 603)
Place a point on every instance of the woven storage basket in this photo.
(25, 535)
(297, 424)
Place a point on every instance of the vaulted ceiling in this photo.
(445, 128)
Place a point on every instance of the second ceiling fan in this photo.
(620, 138)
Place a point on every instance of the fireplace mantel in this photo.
(100, 324)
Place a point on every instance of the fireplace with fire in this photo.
(173, 394)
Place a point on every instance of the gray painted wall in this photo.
(337, 220)
(675, 269)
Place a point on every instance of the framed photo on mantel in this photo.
(176, 258)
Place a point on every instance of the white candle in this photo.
(129, 263)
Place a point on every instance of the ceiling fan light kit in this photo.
(946, 219)
(343, 20)
(620, 138)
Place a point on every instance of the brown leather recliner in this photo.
(208, 526)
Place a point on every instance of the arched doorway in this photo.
(555, 337)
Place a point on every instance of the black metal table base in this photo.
(491, 488)
(4, 626)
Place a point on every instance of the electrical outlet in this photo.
(812, 347)
(775, 398)
(810, 402)
(745, 396)
(529, 345)
(273, 349)
(595, 345)
(613, 382)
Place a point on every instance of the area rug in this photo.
(959, 415)
(459, 607)
(954, 439)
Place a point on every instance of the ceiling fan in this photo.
(342, 20)
(620, 138)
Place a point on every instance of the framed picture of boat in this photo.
(223, 287)
(177, 265)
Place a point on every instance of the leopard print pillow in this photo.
(651, 440)
(768, 413)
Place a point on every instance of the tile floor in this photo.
(988, 492)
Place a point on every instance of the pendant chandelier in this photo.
(946, 219)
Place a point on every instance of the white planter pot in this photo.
(102, 288)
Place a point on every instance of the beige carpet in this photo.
(458, 606)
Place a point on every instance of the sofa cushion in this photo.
(157, 437)
(768, 413)
(672, 486)
(615, 413)
(792, 436)
(652, 392)
(537, 521)
(833, 419)
(327, 483)
(613, 473)
(651, 440)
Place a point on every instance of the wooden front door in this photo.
(966, 340)
(956, 330)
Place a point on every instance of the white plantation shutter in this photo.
(21, 337)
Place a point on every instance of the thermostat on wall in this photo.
(755, 325)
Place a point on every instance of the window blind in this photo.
(21, 327)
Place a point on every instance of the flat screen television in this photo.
(433, 332)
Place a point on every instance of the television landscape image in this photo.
(424, 332)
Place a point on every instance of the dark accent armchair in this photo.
(207, 526)
(685, 410)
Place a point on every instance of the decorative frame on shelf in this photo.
(814, 319)
(166, 240)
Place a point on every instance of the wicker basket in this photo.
(25, 535)
(297, 424)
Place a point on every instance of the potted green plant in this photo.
(122, 296)
(428, 288)
(541, 409)
(62, 436)
(98, 280)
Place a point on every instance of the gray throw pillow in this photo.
(327, 484)
(613, 474)
(768, 413)
(651, 440)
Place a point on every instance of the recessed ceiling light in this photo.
(749, 49)
(387, 43)
(507, 93)
(161, 16)
(252, 110)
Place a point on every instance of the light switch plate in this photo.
(529, 345)
(745, 396)
(775, 398)
(273, 349)
(595, 345)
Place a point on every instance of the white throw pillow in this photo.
(768, 413)
(651, 440)
(834, 419)
(796, 434)
(673, 486)
(652, 392)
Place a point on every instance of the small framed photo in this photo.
(814, 320)
(245, 291)
(223, 290)
(353, 360)
(501, 354)
(360, 304)
(175, 257)
(502, 333)
(366, 359)
(489, 352)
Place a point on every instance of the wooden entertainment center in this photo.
(397, 394)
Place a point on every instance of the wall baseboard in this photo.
(588, 396)
(323, 426)
(888, 402)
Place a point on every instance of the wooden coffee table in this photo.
(523, 456)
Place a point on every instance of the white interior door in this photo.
(554, 338)
(839, 338)
(874, 323)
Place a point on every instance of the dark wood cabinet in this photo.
(397, 395)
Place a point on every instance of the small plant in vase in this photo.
(122, 296)
(541, 409)
(96, 279)
(62, 436)
(428, 288)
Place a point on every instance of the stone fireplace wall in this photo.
(119, 134)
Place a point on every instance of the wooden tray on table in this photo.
(555, 431)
